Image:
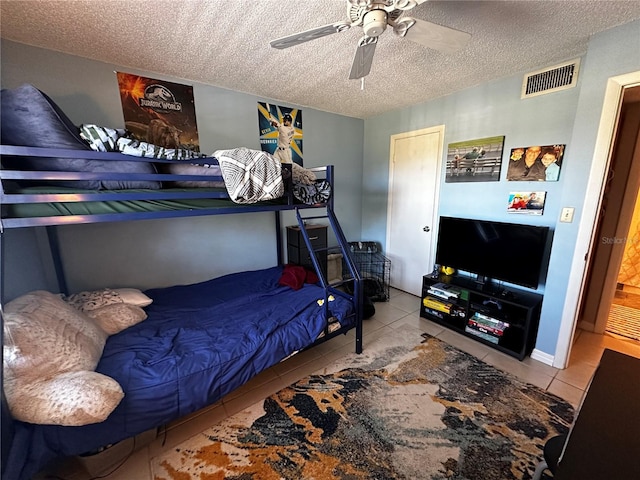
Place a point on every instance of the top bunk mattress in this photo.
(109, 202)
(27, 202)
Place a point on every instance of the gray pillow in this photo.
(31, 118)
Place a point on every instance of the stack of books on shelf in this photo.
(444, 291)
(436, 307)
(438, 303)
(486, 327)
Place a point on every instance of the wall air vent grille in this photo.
(553, 79)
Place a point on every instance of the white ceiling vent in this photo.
(552, 79)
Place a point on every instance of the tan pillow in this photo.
(50, 352)
(47, 336)
(70, 398)
(116, 317)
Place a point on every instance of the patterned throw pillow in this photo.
(113, 310)
(131, 146)
(318, 192)
(87, 301)
(92, 300)
(101, 139)
(117, 317)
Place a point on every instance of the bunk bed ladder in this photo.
(353, 272)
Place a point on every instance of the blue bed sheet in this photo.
(198, 343)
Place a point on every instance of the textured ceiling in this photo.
(226, 44)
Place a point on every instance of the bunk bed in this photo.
(198, 342)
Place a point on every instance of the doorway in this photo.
(586, 235)
(624, 313)
(414, 180)
(611, 298)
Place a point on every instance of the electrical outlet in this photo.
(567, 214)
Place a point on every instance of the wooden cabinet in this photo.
(504, 319)
(297, 251)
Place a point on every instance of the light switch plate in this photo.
(567, 214)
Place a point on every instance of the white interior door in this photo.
(414, 180)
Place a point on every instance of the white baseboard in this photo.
(542, 357)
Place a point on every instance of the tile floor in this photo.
(401, 311)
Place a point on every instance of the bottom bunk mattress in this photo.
(198, 343)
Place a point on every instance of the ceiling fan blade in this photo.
(431, 35)
(308, 35)
(364, 57)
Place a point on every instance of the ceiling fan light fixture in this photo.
(367, 41)
(375, 22)
(404, 4)
(402, 26)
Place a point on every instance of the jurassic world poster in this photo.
(159, 112)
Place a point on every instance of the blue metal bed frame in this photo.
(51, 222)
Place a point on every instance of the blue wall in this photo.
(569, 117)
(165, 252)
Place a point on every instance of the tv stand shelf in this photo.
(506, 320)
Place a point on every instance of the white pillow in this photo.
(133, 296)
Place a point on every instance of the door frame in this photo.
(440, 129)
(586, 230)
(621, 199)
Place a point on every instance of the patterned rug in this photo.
(624, 321)
(409, 407)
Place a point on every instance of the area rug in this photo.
(409, 407)
(624, 321)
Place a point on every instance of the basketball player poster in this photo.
(281, 132)
(159, 112)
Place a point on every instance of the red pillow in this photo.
(295, 276)
(311, 277)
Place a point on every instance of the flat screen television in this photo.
(491, 250)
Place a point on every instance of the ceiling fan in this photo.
(374, 16)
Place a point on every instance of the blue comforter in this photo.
(198, 343)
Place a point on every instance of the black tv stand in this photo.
(506, 320)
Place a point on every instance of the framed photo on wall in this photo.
(528, 203)
(535, 163)
(477, 160)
